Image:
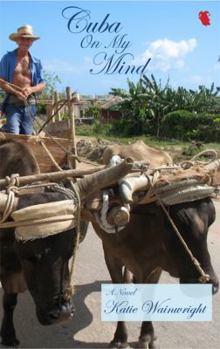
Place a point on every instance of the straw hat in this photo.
(25, 31)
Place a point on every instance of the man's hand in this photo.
(21, 95)
(27, 91)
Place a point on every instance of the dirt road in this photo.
(87, 331)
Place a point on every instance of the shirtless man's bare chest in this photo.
(22, 72)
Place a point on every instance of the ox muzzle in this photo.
(213, 280)
(61, 310)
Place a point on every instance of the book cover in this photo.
(96, 48)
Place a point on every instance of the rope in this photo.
(214, 152)
(33, 186)
(150, 194)
(204, 277)
(12, 181)
(189, 163)
(71, 290)
(9, 205)
(74, 195)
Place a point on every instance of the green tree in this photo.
(158, 101)
(204, 98)
(51, 81)
(94, 110)
(132, 107)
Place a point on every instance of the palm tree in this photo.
(159, 100)
(132, 107)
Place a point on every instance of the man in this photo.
(21, 78)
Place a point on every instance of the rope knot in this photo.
(12, 181)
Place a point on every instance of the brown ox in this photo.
(147, 245)
(138, 151)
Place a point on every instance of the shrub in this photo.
(185, 125)
(41, 108)
(101, 129)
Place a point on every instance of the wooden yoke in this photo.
(85, 186)
(50, 177)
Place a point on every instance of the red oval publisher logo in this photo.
(204, 17)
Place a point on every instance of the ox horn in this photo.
(214, 169)
(94, 182)
(128, 186)
(213, 166)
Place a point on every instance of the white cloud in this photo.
(166, 54)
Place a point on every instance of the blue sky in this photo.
(168, 32)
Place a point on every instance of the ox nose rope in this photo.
(204, 277)
(74, 195)
(69, 292)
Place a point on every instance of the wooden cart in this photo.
(42, 147)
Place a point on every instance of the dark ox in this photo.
(148, 244)
(40, 265)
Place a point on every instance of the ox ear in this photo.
(99, 180)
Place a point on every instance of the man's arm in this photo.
(8, 88)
